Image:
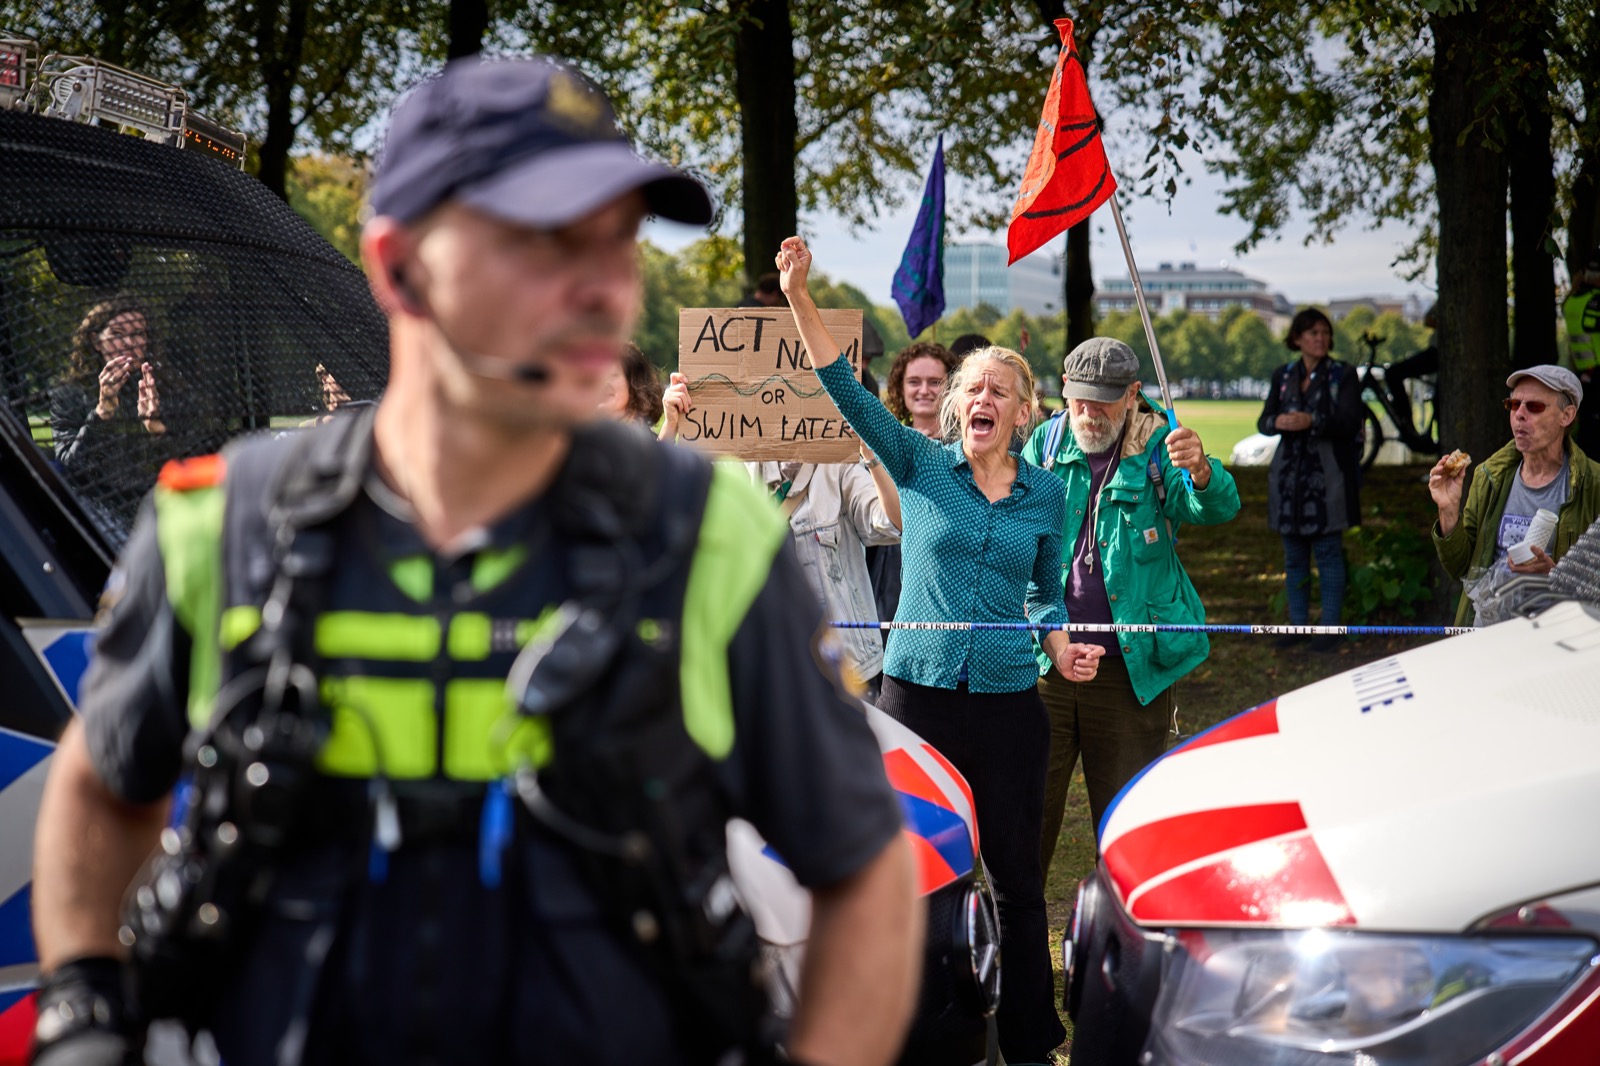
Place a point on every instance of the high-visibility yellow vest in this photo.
(1582, 313)
(414, 682)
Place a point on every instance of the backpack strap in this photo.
(252, 766)
(287, 490)
(324, 471)
(1052, 438)
(623, 540)
(1158, 483)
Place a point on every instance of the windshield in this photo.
(154, 303)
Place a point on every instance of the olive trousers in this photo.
(1103, 722)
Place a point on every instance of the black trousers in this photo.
(1001, 743)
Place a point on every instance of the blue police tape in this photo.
(1107, 627)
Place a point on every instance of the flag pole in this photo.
(1149, 328)
(1144, 309)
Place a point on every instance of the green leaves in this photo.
(327, 190)
(1392, 578)
(287, 72)
(876, 82)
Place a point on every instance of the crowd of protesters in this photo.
(992, 530)
(967, 507)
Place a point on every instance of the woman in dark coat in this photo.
(1314, 405)
(112, 418)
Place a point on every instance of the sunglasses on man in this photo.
(1535, 407)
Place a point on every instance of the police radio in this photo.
(241, 806)
(248, 797)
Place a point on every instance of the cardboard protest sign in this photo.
(755, 394)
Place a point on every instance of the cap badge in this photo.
(576, 105)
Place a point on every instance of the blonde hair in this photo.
(956, 387)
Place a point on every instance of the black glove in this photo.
(83, 1016)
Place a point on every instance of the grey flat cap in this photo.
(1558, 378)
(1099, 370)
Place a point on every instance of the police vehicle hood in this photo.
(1426, 792)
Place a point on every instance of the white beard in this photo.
(1096, 434)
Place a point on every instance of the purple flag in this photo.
(919, 283)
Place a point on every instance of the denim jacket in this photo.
(837, 514)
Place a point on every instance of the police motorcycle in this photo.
(240, 290)
(1389, 867)
(954, 1022)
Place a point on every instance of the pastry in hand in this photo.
(1454, 463)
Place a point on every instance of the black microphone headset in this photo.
(485, 366)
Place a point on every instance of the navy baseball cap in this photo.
(529, 141)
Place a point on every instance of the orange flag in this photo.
(1068, 175)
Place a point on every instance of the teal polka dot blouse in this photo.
(964, 559)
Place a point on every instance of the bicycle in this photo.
(1422, 394)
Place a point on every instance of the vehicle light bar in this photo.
(19, 60)
(83, 89)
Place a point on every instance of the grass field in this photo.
(1220, 423)
(1224, 423)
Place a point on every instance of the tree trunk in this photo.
(1079, 287)
(1583, 220)
(768, 130)
(1533, 200)
(469, 21)
(280, 69)
(1470, 176)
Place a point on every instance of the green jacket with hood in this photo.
(1145, 581)
(1472, 542)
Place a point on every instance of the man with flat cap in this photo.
(416, 734)
(1127, 497)
(1542, 469)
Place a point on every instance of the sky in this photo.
(1357, 263)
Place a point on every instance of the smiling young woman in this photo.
(916, 384)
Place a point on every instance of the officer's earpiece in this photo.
(485, 366)
(409, 301)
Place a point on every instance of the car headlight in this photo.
(1248, 997)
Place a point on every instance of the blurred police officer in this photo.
(1581, 310)
(456, 870)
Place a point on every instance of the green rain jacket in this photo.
(1145, 580)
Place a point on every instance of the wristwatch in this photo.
(869, 464)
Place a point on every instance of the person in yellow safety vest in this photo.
(1582, 313)
(452, 698)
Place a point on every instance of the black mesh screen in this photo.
(155, 302)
